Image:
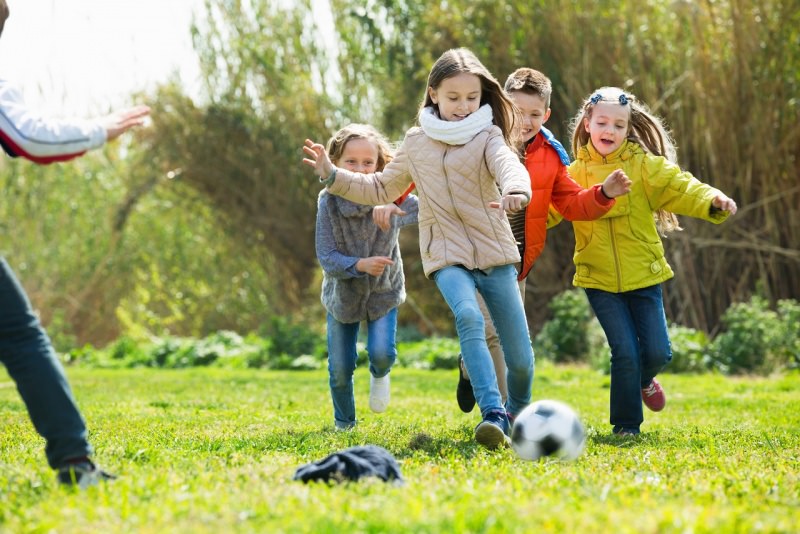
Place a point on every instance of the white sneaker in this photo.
(378, 393)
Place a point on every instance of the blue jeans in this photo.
(31, 362)
(636, 330)
(499, 289)
(342, 356)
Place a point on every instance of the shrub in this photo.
(753, 338)
(689, 350)
(573, 334)
(431, 353)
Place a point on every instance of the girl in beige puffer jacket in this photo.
(467, 177)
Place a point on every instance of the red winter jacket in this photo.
(551, 184)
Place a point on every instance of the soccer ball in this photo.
(548, 428)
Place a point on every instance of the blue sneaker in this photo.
(492, 432)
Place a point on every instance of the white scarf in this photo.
(455, 132)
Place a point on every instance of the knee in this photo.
(469, 317)
(340, 377)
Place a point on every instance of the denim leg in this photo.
(500, 290)
(647, 308)
(381, 344)
(457, 286)
(342, 356)
(495, 349)
(31, 362)
(616, 318)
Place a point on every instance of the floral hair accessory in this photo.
(623, 99)
(597, 97)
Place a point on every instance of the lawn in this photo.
(214, 450)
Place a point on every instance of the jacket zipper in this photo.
(616, 256)
(455, 210)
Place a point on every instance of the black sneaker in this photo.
(82, 475)
(492, 432)
(464, 394)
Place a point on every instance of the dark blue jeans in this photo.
(31, 362)
(636, 330)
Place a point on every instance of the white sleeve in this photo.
(28, 134)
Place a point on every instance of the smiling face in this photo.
(607, 126)
(359, 155)
(457, 97)
(534, 112)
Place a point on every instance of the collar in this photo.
(455, 132)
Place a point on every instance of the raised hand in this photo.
(724, 203)
(317, 158)
(616, 184)
(374, 265)
(121, 121)
(382, 215)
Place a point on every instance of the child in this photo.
(457, 157)
(619, 260)
(25, 349)
(546, 161)
(362, 274)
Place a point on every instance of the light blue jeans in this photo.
(31, 362)
(636, 330)
(499, 289)
(342, 356)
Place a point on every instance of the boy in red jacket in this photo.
(546, 161)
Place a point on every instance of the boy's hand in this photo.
(382, 215)
(318, 159)
(374, 265)
(510, 203)
(616, 184)
(120, 122)
(724, 203)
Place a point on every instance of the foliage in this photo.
(572, 334)
(757, 339)
(689, 350)
(432, 353)
(214, 450)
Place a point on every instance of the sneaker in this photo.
(82, 475)
(378, 393)
(653, 396)
(492, 432)
(464, 393)
(626, 433)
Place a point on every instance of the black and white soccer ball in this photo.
(548, 428)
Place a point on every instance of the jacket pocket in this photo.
(426, 239)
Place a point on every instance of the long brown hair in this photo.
(460, 60)
(644, 129)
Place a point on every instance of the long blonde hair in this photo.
(460, 60)
(644, 128)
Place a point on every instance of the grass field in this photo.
(214, 450)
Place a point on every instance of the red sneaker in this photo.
(653, 396)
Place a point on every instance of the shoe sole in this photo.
(491, 436)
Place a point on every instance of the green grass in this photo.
(214, 450)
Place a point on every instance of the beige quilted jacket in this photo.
(455, 185)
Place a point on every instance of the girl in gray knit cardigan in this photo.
(362, 274)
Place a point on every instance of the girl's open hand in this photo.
(724, 203)
(382, 215)
(616, 184)
(317, 158)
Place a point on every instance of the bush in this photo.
(573, 334)
(753, 340)
(432, 353)
(689, 350)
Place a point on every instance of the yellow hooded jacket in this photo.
(622, 250)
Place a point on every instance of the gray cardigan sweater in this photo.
(345, 233)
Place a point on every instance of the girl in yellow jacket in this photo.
(619, 258)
